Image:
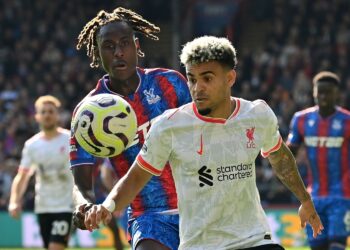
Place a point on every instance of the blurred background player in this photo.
(211, 145)
(324, 129)
(111, 43)
(47, 153)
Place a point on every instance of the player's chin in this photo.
(204, 110)
(49, 126)
(121, 74)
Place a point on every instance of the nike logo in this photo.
(200, 151)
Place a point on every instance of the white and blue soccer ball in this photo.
(104, 125)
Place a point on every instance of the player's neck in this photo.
(50, 133)
(327, 111)
(225, 111)
(124, 87)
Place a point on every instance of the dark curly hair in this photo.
(87, 36)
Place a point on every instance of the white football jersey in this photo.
(213, 165)
(54, 180)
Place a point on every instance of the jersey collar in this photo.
(218, 120)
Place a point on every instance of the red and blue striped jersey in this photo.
(159, 89)
(327, 142)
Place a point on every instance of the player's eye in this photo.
(124, 43)
(108, 46)
(208, 78)
(192, 80)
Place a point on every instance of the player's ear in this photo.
(138, 48)
(137, 43)
(37, 117)
(231, 77)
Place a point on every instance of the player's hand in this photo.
(15, 210)
(95, 215)
(308, 214)
(79, 215)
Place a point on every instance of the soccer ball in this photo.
(104, 125)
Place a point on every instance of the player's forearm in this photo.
(78, 198)
(19, 185)
(83, 182)
(286, 170)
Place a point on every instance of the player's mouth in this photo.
(200, 99)
(120, 65)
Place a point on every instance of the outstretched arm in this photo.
(121, 195)
(286, 170)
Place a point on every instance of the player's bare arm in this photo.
(121, 195)
(284, 164)
(18, 188)
(83, 194)
(83, 181)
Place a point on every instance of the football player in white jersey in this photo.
(211, 145)
(47, 153)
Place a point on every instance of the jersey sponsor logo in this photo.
(205, 177)
(142, 132)
(250, 136)
(234, 172)
(322, 141)
(151, 97)
(200, 151)
(225, 173)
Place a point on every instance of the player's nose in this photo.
(118, 51)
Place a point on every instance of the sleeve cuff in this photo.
(275, 148)
(147, 167)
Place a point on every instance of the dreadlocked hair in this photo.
(87, 36)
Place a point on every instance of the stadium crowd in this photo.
(38, 57)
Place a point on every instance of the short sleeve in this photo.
(272, 140)
(294, 136)
(156, 148)
(26, 159)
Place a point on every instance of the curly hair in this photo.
(209, 48)
(88, 35)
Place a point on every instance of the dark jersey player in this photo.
(325, 131)
(111, 43)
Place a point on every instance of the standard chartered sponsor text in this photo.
(234, 172)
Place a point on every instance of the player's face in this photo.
(117, 48)
(210, 86)
(325, 94)
(47, 116)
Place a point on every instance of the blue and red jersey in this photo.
(327, 142)
(158, 90)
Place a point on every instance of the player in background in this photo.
(47, 153)
(111, 42)
(325, 131)
(211, 145)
